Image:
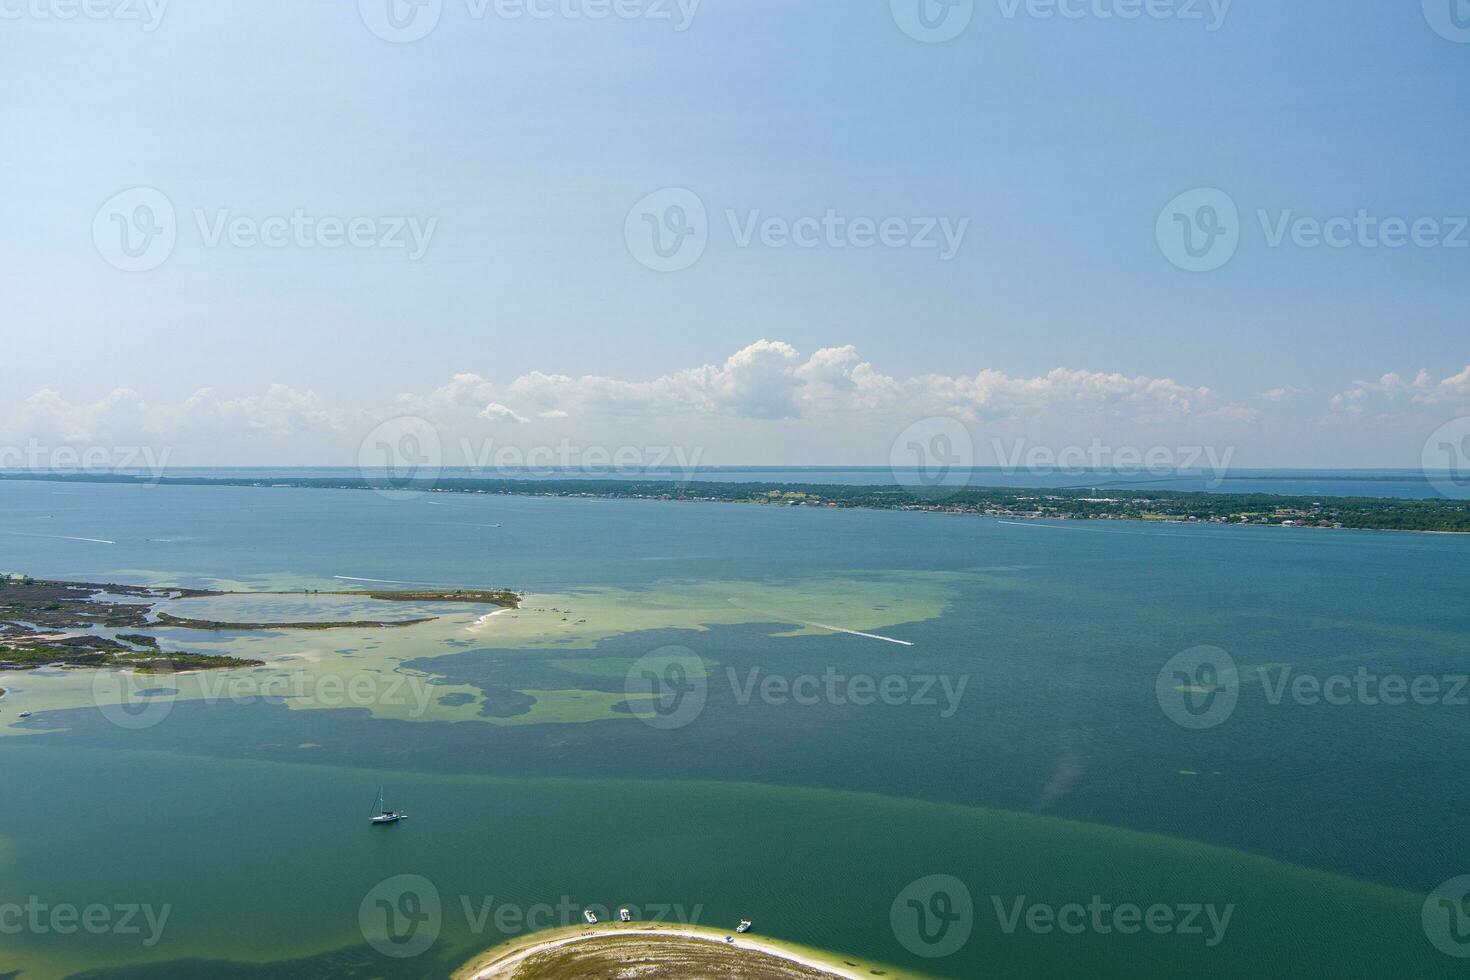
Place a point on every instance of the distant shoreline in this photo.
(1012, 503)
(502, 962)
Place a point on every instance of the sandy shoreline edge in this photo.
(498, 961)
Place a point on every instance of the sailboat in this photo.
(381, 814)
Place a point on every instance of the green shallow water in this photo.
(275, 860)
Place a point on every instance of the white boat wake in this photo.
(59, 537)
(783, 617)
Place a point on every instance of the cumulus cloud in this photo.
(770, 380)
(1286, 394)
(762, 397)
(122, 416)
(1392, 392)
(496, 412)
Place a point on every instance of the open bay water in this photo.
(1057, 775)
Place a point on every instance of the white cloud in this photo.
(496, 412)
(769, 380)
(123, 417)
(1286, 394)
(763, 403)
(1392, 392)
(1233, 413)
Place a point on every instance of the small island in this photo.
(66, 624)
(659, 951)
(80, 624)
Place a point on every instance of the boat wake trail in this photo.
(386, 581)
(59, 537)
(783, 617)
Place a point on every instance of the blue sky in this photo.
(521, 144)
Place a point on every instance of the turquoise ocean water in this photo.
(1057, 775)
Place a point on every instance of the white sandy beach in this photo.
(502, 961)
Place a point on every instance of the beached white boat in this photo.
(591, 919)
(625, 915)
(744, 925)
